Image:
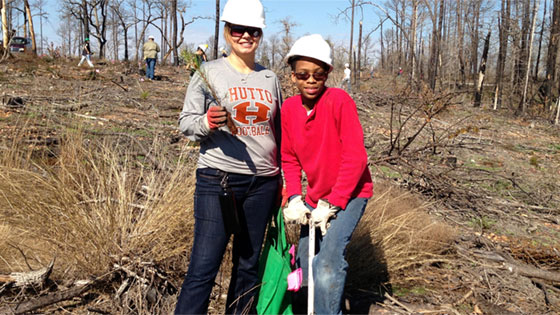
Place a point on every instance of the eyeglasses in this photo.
(319, 76)
(239, 30)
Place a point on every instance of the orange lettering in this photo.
(233, 95)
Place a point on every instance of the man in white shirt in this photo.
(346, 78)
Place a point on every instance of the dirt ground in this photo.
(490, 175)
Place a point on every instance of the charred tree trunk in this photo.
(412, 41)
(460, 37)
(351, 36)
(174, 32)
(521, 65)
(538, 59)
(552, 52)
(482, 71)
(474, 35)
(522, 105)
(359, 60)
(382, 49)
(434, 47)
(85, 18)
(504, 23)
(216, 30)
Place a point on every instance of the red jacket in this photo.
(328, 145)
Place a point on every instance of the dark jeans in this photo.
(255, 199)
(150, 67)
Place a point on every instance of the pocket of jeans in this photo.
(210, 174)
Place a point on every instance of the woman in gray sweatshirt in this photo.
(232, 107)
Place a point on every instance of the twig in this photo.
(395, 301)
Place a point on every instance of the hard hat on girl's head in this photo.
(312, 46)
(244, 12)
(203, 47)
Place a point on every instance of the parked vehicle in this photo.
(20, 44)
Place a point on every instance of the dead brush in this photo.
(395, 234)
(95, 210)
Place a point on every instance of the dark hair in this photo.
(293, 59)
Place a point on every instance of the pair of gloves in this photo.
(297, 212)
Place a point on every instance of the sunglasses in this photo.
(239, 30)
(319, 76)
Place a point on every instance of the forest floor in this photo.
(489, 175)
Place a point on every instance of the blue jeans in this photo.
(329, 263)
(347, 83)
(150, 67)
(255, 198)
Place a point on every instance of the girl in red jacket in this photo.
(322, 136)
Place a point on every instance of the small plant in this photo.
(144, 95)
(534, 161)
(484, 222)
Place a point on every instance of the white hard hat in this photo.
(151, 37)
(346, 65)
(244, 12)
(203, 47)
(312, 46)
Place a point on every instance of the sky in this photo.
(311, 16)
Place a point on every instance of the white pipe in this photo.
(310, 281)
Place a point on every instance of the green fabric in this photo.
(274, 268)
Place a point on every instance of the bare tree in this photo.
(522, 105)
(552, 52)
(216, 30)
(4, 25)
(482, 72)
(174, 32)
(538, 59)
(503, 25)
(31, 28)
(287, 40)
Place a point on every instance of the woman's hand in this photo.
(216, 117)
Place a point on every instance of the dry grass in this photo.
(91, 207)
(91, 204)
(395, 234)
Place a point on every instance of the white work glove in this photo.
(296, 211)
(322, 214)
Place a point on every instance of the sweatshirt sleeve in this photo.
(290, 163)
(277, 122)
(354, 157)
(197, 101)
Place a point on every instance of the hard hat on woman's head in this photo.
(346, 65)
(312, 46)
(203, 47)
(244, 12)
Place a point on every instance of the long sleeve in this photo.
(290, 163)
(197, 101)
(353, 159)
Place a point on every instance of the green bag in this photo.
(274, 268)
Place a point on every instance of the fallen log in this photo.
(33, 304)
(28, 279)
(519, 267)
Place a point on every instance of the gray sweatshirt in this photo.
(254, 103)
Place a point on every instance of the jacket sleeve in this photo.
(290, 162)
(197, 101)
(277, 122)
(354, 157)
